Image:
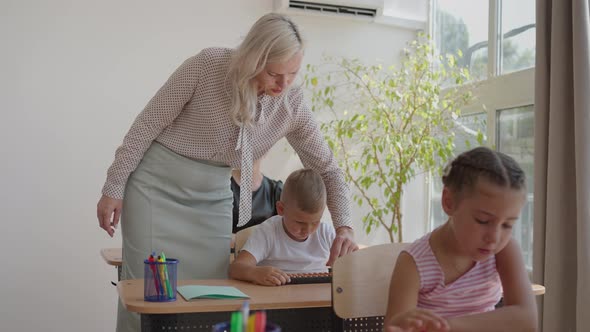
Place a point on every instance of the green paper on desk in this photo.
(192, 292)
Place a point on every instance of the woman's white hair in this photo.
(273, 38)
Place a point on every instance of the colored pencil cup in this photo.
(159, 280)
(225, 327)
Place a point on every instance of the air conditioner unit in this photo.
(364, 10)
(359, 9)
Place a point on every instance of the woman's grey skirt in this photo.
(178, 206)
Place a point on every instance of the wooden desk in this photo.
(114, 257)
(294, 307)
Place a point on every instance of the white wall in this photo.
(73, 76)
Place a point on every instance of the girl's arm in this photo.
(403, 288)
(519, 312)
(402, 314)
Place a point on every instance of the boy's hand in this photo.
(417, 320)
(342, 245)
(270, 276)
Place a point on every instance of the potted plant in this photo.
(388, 124)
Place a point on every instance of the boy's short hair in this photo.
(305, 187)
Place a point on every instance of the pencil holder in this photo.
(225, 327)
(159, 280)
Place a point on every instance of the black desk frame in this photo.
(290, 320)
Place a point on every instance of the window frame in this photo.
(496, 92)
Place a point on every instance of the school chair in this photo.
(538, 290)
(241, 238)
(360, 287)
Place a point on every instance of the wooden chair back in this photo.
(241, 238)
(360, 281)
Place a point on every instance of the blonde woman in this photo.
(221, 109)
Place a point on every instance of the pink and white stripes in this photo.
(478, 290)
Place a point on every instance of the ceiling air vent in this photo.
(368, 11)
(328, 8)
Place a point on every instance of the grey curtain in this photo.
(562, 164)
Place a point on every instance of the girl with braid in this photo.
(452, 278)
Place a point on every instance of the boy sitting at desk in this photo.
(293, 241)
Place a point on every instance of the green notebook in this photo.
(192, 292)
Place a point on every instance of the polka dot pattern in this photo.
(245, 208)
(190, 115)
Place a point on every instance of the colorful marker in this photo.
(163, 280)
(245, 312)
(251, 323)
(152, 261)
(170, 295)
(262, 326)
(237, 322)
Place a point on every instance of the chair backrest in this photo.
(241, 238)
(360, 281)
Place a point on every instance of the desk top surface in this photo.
(261, 297)
(113, 256)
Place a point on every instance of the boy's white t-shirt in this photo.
(271, 246)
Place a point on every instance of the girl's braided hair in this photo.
(464, 171)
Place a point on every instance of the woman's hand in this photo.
(342, 245)
(108, 211)
(417, 320)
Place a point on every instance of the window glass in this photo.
(463, 25)
(465, 139)
(515, 129)
(518, 34)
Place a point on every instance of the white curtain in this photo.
(562, 164)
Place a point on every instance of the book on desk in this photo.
(193, 292)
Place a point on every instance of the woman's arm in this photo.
(307, 140)
(162, 109)
(159, 113)
(519, 312)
